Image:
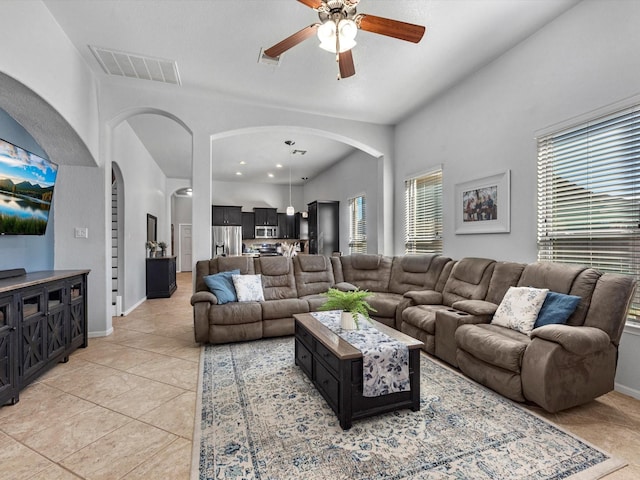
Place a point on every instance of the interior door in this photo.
(185, 247)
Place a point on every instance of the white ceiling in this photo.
(216, 45)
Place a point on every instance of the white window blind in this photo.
(358, 225)
(423, 213)
(589, 195)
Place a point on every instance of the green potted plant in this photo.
(352, 303)
(163, 248)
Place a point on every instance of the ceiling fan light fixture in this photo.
(347, 30)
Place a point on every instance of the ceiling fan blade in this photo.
(290, 42)
(345, 63)
(311, 3)
(391, 28)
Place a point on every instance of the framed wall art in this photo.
(482, 205)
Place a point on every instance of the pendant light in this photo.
(290, 210)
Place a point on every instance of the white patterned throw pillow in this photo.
(519, 308)
(248, 288)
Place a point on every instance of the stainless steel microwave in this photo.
(266, 232)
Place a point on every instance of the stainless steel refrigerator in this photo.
(226, 241)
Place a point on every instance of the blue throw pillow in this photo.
(221, 285)
(557, 308)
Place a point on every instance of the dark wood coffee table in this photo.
(335, 368)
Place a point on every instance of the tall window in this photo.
(358, 225)
(423, 213)
(589, 196)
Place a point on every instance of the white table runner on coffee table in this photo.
(385, 361)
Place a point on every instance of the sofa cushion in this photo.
(221, 285)
(285, 308)
(556, 309)
(409, 272)
(366, 262)
(557, 277)
(367, 272)
(248, 288)
(278, 280)
(235, 313)
(519, 308)
(422, 317)
(313, 274)
(469, 280)
(493, 344)
(384, 303)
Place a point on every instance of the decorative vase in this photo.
(347, 322)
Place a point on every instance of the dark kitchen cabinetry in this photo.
(324, 227)
(288, 226)
(225, 215)
(248, 225)
(42, 321)
(266, 217)
(161, 277)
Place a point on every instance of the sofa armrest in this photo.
(476, 307)
(577, 340)
(425, 297)
(204, 297)
(345, 287)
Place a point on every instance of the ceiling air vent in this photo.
(131, 65)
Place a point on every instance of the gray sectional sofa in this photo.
(449, 305)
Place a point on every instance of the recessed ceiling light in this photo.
(270, 175)
(238, 173)
(278, 165)
(243, 162)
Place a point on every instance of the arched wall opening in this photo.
(374, 180)
(146, 190)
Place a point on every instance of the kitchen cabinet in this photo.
(287, 226)
(324, 227)
(248, 225)
(225, 215)
(42, 321)
(266, 217)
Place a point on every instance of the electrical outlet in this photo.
(81, 232)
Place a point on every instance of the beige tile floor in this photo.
(123, 408)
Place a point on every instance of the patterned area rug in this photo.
(261, 418)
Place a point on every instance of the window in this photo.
(589, 195)
(423, 213)
(358, 225)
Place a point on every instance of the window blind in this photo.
(357, 225)
(423, 213)
(589, 196)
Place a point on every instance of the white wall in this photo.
(83, 189)
(584, 60)
(144, 192)
(49, 64)
(252, 195)
(355, 175)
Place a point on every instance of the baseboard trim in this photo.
(129, 310)
(632, 392)
(104, 333)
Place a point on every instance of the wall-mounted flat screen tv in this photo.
(26, 190)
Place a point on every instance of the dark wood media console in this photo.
(335, 368)
(43, 319)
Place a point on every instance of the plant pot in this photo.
(347, 322)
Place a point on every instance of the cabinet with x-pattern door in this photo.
(42, 321)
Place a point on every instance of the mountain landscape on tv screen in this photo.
(26, 191)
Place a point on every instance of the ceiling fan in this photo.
(339, 23)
